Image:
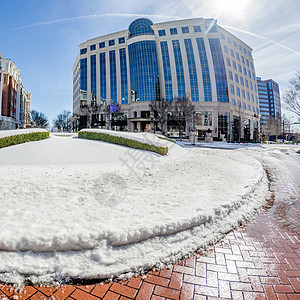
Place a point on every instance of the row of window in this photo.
(186, 29)
(242, 81)
(239, 57)
(121, 40)
(238, 46)
(244, 105)
(240, 68)
(237, 91)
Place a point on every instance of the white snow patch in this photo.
(89, 209)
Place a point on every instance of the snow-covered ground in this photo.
(87, 209)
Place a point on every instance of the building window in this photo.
(101, 45)
(192, 70)
(240, 68)
(93, 78)
(236, 77)
(173, 31)
(102, 76)
(124, 81)
(238, 93)
(211, 28)
(222, 36)
(161, 32)
(234, 44)
(243, 59)
(237, 56)
(92, 47)
(83, 51)
(179, 68)
(226, 49)
(228, 62)
(230, 75)
(167, 71)
(243, 94)
(203, 118)
(233, 102)
(232, 89)
(234, 64)
(228, 40)
(231, 52)
(121, 40)
(111, 42)
(220, 71)
(144, 76)
(113, 76)
(197, 28)
(185, 29)
(204, 69)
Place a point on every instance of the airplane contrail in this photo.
(91, 17)
(128, 15)
(262, 37)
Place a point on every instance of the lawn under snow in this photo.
(87, 209)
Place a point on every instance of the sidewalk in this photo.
(258, 261)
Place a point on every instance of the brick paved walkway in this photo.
(258, 261)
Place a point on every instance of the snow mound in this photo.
(113, 210)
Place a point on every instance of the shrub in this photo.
(122, 141)
(23, 138)
(165, 138)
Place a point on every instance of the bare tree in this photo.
(39, 119)
(239, 117)
(273, 126)
(160, 109)
(61, 120)
(184, 109)
(112, 114)
(291, 97)
(88, 110)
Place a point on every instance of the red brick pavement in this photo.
(258, 261)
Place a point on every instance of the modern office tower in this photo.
(14, 99)
(193, 58)
(269, 99)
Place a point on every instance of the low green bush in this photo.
(121, 141)
(23, 138)
(165, 138)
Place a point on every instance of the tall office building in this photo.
(195, 58)
(269, 99)
(14, 99)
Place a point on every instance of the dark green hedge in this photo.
(165, 138)
(23, 138)
(121, 141)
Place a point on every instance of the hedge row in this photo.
(165, 138)
(122, 141)
(23, 138)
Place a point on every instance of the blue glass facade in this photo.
(144, 75)
(167, 71)
(179, 68)
(83, 74)
(102, 76)
(220, 71)
(204, 69)
(124, 81)
(141, 27)
(113, 76)
(93, 77)
(192, 70)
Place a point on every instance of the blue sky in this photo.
(41, 37)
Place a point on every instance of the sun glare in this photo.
(231, 7)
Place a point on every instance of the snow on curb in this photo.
(7, 133)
